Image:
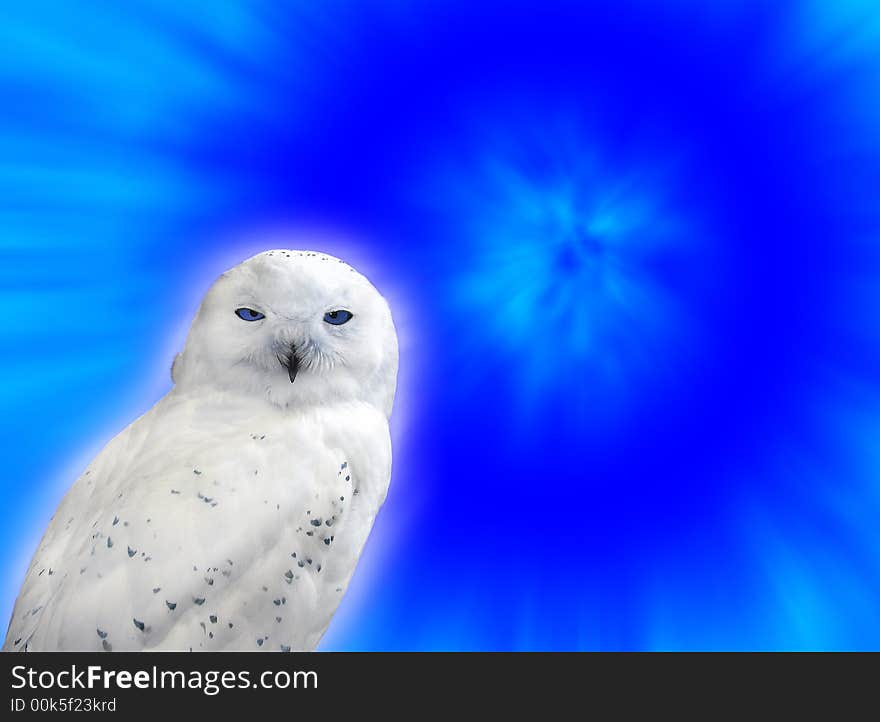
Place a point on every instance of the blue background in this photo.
(633, 254)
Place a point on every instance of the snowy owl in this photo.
(231, 515)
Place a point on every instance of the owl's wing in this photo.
(74, 520)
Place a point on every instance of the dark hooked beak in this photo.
(292, 364)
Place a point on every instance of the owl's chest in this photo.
(233, 468)
(235, 441)
(212, 466)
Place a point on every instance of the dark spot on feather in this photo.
(139, 624)
(171, 605)
(101, 633)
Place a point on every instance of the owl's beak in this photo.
(292, 365)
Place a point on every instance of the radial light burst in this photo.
(563, 265)
(632, 252)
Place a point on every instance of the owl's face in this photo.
(297, 327)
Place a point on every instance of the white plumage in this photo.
(232, 514)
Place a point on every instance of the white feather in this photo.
(232, 514)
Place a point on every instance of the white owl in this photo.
(232, 514)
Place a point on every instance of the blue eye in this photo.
(337, 318)
(248, 314)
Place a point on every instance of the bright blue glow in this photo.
(632, 255)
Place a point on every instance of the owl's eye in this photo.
(338, 317)
(248, 314)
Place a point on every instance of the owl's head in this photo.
(296, 327)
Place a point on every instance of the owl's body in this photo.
(224, 518)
